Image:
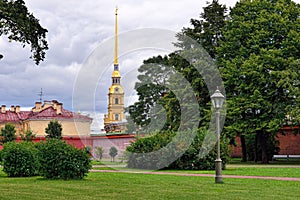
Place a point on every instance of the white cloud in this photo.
(75, 29)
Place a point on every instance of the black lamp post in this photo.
(217, 101)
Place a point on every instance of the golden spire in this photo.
(116, 62)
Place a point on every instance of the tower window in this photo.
(116, 89)
(116, 67)
(116, 101)
(116, 116)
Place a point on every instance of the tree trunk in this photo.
(263, 144)
(244, 148)
(256, 148)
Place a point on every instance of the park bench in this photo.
(287, 157)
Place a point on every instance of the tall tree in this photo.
(259, 62)
(153, 79)
(207, 32)
(19, 25)
(54, 130)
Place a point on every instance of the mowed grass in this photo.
(99, 185)
(274, 169)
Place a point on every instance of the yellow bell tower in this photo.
(114, 120)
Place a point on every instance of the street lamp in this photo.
(217, 101)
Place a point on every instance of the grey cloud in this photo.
(76, 28)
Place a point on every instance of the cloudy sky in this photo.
(76, 28)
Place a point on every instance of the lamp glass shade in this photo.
(217, 99)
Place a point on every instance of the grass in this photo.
(132, 186)
(276, 169)
(141, 186)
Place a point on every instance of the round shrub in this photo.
(59, 160)
(19, 159)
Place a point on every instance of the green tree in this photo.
(151, 87)
(19, 25)
(207, 30)
(28, 136)
(8, 133)
(157, 73)
(54, 130)
(99, 152)
(259, 63)
(113, 152)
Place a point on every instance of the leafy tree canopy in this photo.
(259, 62)
(19, 25)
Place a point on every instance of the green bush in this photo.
(59, 160)
(139, 155)
(19, 159)
(1, 156)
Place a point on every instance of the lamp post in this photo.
(217, 101)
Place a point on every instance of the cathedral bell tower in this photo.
(114, 120)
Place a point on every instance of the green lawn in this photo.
(276, 169)
(141, 186)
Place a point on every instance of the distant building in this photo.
(38, 118)
(114, 121)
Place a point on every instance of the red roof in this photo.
(48, 113)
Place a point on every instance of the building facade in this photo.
(38, 118)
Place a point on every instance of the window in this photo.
(116, 89)
(116, 101)
(116, 116)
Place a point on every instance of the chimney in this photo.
(59, 108)
(12, 108)
(38, 106)
(54, 102)
(3, 109)
(17, 109)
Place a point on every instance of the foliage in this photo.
(159, 104)
(258, 59)
(19, 25)
(59, 160)
(113, 152)
(1, 151)
(152, 86)
(8, 133)
(99, 152)
(88, 150)
(207, 30)
(19, 159)
(141, 156)
(28, 136)
(54, 130)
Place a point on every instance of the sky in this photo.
(79, 34)
(75, 29)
